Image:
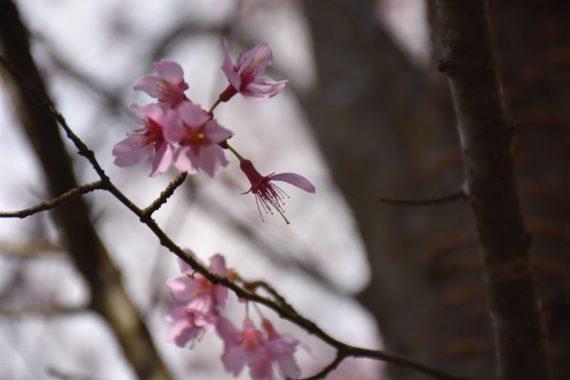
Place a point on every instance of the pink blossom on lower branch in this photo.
(245, 76)
(201, 302)
(269, 196)
(250, 346)
(149, 140)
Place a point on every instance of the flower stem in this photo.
(213, 107)
(235, 152)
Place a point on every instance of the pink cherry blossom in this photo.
(201, 301)
(199, 136)
(245, 76)
(268, 195)
(142, 143)
(247, 346)
(281, 349)
(168, 87)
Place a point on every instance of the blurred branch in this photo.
(29, 249)
(49, 311)
(48, 205)
(108, 297)
(288, 312)
(486, 139)
(459, 196)
(64, 375)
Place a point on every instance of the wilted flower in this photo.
(142, 143)
(245, 75)
(198, 135)
(168, 87)
(268, 195)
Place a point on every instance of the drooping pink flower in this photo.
(201, 302)
(198, 135)
(168, 87)
(142, 143)
(268, 195)
(281, 349)
(245, 76)
(247, 346)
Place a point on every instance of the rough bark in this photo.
(108, 297)
(486, 135)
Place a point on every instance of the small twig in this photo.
(48, 205)
(346, 351)
(165, 194)
(61, 375)
(459, 196)
(253, 285)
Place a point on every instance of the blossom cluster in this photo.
(199, 309)
(178, 132)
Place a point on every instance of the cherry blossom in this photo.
(268, 195)
(259, 351)
(142, 143)
(201, 302)
(199, 136)
(245, 76)
(168, 87)
(281, 349)
(247, 346)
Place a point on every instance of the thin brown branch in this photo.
(164, 195)
(48, 205)
(288, 313)
(459, 196)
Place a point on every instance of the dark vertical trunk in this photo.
(387, 128)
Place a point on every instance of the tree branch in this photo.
(483, 124)
(459, 196)
(48, 205)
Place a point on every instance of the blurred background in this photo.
(366, 115)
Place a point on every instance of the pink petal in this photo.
(182, 288)
(261, 367)
(169, 70)
(234, 359)
(295, 180)
(173, 130)
(229, 69)
(216, 133)
(227, 332)
(218, 264)
(262, 88)
(151, 111)
(182, 329)
(148, 84)
(132, 150)
(289, 367)
(255, 61)
(162, 159)
(193, 114)
(186, 161)
(212, 159)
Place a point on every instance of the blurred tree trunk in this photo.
(388, 128)
(78, 234)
